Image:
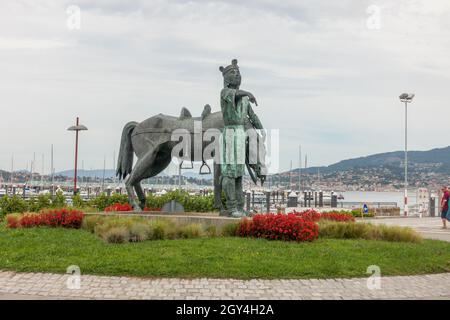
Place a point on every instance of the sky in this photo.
(326, 74)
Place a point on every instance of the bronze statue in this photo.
(153, 143)
(236, 111)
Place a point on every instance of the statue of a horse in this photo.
(151, 141)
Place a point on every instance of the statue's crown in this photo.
(232, 66)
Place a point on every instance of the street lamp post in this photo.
(406, 98)
(77, 128)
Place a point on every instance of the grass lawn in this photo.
(53, 250)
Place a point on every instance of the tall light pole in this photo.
(77, 128)
(406, 98)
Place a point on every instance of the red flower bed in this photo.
(313, 215)
(119, 207)
(288, 227)
(12, 221)
(53, 218)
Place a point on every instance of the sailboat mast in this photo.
(52, 171)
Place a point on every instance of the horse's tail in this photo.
(125, 161)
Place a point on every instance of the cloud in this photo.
(320, 75)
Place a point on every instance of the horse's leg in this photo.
(162, 161)
(140, 194)
(139, 172)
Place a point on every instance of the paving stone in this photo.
(98, 287)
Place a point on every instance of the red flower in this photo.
(288, 227)
(51, 218)
(119, 207)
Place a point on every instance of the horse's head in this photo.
(256, 155)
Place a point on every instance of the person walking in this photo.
(444, 206)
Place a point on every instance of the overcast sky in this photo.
(327, 74)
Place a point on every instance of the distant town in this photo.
(379, 172)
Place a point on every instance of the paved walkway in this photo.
(54, 286)
(429, 227)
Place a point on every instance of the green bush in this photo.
(193, 230)
(42, 201)
(196, 203)
(230, 230)
(59, 200)
(14, 204)
(77, 201)
(159, 230)
(351, 230)
(102, 201)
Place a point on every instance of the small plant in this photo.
(348, 230)
(59, 201)
(77, 201)
(230, 230)
(158, 229)
(211, 231)
(139, 231)
(116, 235)
(90, 222)
(193, 230)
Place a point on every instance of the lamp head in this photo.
(77, 128)
(406, 97)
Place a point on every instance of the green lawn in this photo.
(53, 250)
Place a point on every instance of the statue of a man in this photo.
(236, 110)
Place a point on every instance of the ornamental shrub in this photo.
(230, 229)
(348, 230)
(91, 221)
(119, 207)
(77, 201)
(139, 231)
(310, 214)
(14, 204)
(192, 203)
(288, 227)
(159, 229)
(116, 235)
(59, 200)
(52, 218)
(193, 230)
(211, 231)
